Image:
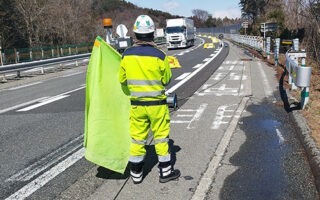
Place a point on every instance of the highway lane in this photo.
(43, 124)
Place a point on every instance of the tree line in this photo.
(202, 19)
(295, 19)
(32, 23)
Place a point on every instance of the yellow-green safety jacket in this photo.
(146, 71)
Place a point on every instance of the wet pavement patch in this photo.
(266, 169)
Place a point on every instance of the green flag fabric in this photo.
(106, 135)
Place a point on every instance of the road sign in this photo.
(286, 41)
(245, 24)
(122, 30)
(269, 27)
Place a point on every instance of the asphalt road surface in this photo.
(229, 138)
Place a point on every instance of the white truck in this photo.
(179, 33)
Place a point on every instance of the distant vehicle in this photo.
(179, 33)
(221, 36)
(226, 45)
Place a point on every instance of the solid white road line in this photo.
(47, 101)
(23, 86)
(182, 76)
(197, 66)
(266, 84)
(178, 122)
(281, 138)
(37, 167)
(179, 84)
(207, 177)
(72, 74)
(39, 182)
(22, 105)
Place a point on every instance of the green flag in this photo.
(106, 135)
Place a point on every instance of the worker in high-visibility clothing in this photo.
(145, 70)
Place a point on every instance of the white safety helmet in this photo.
(143, 25)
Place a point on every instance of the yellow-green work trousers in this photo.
(141, 119)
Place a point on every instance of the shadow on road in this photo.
(287, 105)
(151, 161)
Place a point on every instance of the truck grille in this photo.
(175, 38)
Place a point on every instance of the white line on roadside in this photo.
(207, 177)
(72, 74)
(281, 138)
(266, 85)
(39, 182)
(179, 84)
(178, 122)
(22, 105)
(197, 66)
(37, 167)
(47, 101)
(205, 60)
(212, 55)
(182, 76)
(184, 115)
(23, 86)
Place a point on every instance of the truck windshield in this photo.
(175, 29)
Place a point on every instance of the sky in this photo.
(217, 8)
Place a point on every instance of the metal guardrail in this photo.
(39, 63)
(52, 61)
(299, 75)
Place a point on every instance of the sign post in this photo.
(245, 26)
(268, 47)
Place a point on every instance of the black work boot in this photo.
(167, 173)
(136, 172)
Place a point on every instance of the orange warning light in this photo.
(107, 23)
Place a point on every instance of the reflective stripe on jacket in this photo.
(146, 71)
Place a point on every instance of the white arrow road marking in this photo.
(195, 117)
(182, 76)
(220, 115)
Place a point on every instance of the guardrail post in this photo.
(69, 50)
(61, 51)
(18, 74)
(305, 91)
(42, 70)
(52, 53)
(276, 53)
(268, 47)
(15, 56)
(77, 63)
(18, 56)
(61, 67)
(42, 54)
(30, 55)
(58, 54)
(76, 50)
